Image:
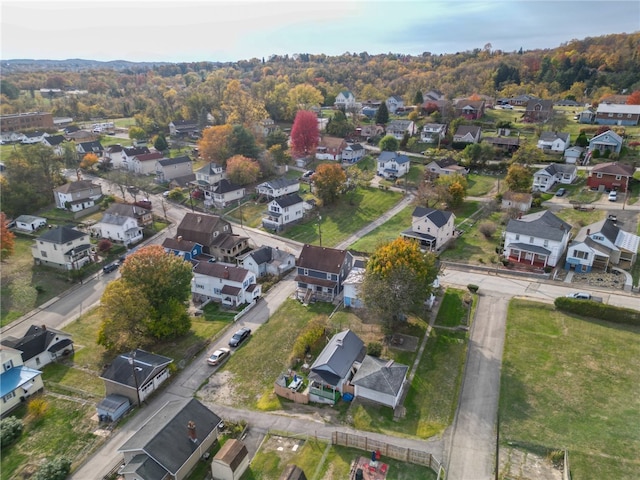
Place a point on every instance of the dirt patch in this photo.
(407, 343)
(284, 447)
(522, 465)
(600, 279)
(220, 389)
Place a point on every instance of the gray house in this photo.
(267, 261)
(380, 381)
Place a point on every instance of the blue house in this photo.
(183, 248)
(321, 273)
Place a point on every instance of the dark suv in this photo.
(239, 337)
(111, 267)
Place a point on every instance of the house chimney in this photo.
(225, 274)
(44, 327)
(588, 231)
(191, 427)
(179, 238)
(199, 219)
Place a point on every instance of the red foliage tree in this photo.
(304, 133)
(634, 98)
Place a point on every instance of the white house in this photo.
(545, 178)
(33, 137)
(127, 155)
(41, 345)
(445, 166)
(554, 141)
(351, 292)
(431, 228)
(145, 163)
(267, 260)
(380, 381)
(76, 196)
(400, 128)
(224, 283)
(538, 239)
(278, 187)
(224, 193)
(283, 211)
(94, 147)
(467, 134)
(30, 223)
(518, 201)
(62, 247)
(393, 165)
(600, 245)
(573, 154)
(55, 143)
(346, 100)
(394, 102)
(169, 168)
(210, 174)
(353, 153)
(433, 132)
(17, 381)
(118, 228)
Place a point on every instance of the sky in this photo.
(217, 30)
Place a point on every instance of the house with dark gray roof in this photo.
(135, 375)
(380, 381)
(94, 147)
(118, 228)
(538, 239)
(267, 260)
(41, 345)
(394, 102)
(546, 178)
(76, 196)
(184, 127)
(55, 143)
(554, 141)
(169, 168)
(62, 247)
(224, 283)
(353, 153)
(393, 165)
(278, 187)
(224, 193)
(444, 166)
(321, 272)
(171, 443)
(600, 245)
(214, 234)
(467, 134)
(431, 228)
(209, 175)
(335, 366)
(400, 128)
(283, 211)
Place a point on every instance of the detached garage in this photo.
(231, 461)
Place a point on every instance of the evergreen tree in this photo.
(382, 115)
(418, 100)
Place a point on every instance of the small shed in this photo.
(293, 472)
(231, 461)
(30, 223)
(112, 407)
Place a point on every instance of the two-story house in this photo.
(145, 163)
(113, 156)
(283, 211)
(278, 187)
(432, 228)
(224, 193)
(169, 168)
(467, 134)
(330, 148)
(394, 102)
(353, 153)
(183, 128)
(17, 381)
(267, 260)
(345, 100)
(143, 216)
(611, 176)
(546, 178)
(433, 132)
(538, 111)
(214, 234)
(94, 147)
(62, 247)
(225, 284)
(400, 128)
(128, 153)
(613, 114)
(393, 165)
(470, 109)
(321, 272)
(538, 239)
(554, 141)
(123, 229)
(76, 196)
(55, 142)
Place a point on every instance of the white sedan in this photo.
(219, 356)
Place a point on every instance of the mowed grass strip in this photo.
(569, 382)
(479, 185)
(453, 310)
(385, 233)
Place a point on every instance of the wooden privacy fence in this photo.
(402, 454)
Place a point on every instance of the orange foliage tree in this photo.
(7, 238)
(214, 144)
(242, 170)
(329, 180)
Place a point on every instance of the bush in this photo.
(487, 228)
(10, 430)
(308, 338)
(37, 407)
(374, 349)
(104, 245)
(473, 288)
(56, 469)
(598, 310)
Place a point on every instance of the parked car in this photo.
(219, 356)
(506, 106)
(111, 267)
(584, 296)
(613, 196)
(561, 192)
(239, 337)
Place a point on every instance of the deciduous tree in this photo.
(137, 133)
(242, 170)
(303, 97)
(528, 153)
(519, 178)
(452, 189)
(634, 98)
(7, 238)
(89, 161)
(214, 144)
(329, 180)
(398, 279)
(389, 143)
(304, 133)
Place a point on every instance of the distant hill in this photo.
(73, 64)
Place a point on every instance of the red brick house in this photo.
(610, 176)
(470, 109)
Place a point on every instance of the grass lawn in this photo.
(585, 195)
(385, 233)
(579, 219)
(473, 247)
(572, 383)
(320, 460)
(453, 310)
(348, 215)
(480, 185)
(249, 214)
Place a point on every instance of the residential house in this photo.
(12, 137)
(41, 345)
(467, 134)
(55, 143)
(136, 375)
(231, 461)
(573, 155)
(122, 229)
(71, 129)
(470, 109)
(231, 286)
(537, 239)
(188, 251)
(507, 144)
(568, 103)
(608, 141)
(400, 128)
(169, 168)
(171, 443)
(30, 138)
(380, 381)
(614, 99)
(351, 292)
(522, 100)
(76, 196)
(82, 136)
(182, 182)
(330, 148)
(433, 132)
(369, 112)
(283, 211)
(145, 163)
(516, 201)
(335, 366)
(278, 187)
(62, 247)
(601, 245)
(353, 153)
(554, 141)
(610, 176)
(393, 165)
(208, 177)
(538, 111)
(267, 260)
(184, 128)
(586, 116)
(546, 178)
(433, 96)
(30, 223)
(394, 103)
(17, 381)
(128, 153)
(370, 131)
(444, 166)
(143, 216)
(224, 193)
(94, 147)
(266, 127)
(113, 156)
(346, 100)
(321, 272)
(214, 234)
(614, 114)
(432, 228)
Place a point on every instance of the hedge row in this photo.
(598, 310)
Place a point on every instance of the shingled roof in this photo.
(321, 259)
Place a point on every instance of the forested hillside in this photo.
(584, 70)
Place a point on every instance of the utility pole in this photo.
(132, 362)
(320, 228)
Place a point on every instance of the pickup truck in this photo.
(584, 296)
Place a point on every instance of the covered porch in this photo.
(532, 255)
